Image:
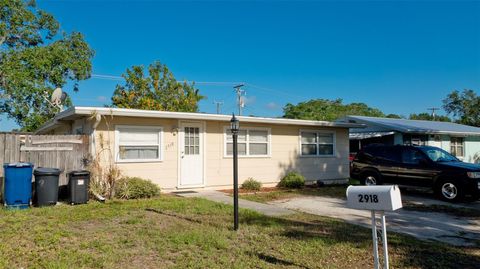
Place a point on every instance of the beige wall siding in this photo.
(285, 156)
(285, 147)
(163, 173)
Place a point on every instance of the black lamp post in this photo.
(234, 127)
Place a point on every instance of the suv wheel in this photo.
(449, 190)
(371, 179)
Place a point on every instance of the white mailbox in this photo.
(379, 198)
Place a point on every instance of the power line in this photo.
(240, 102)
(219, 83)
(270, 90)
(108, 77)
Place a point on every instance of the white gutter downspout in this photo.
(93, 145)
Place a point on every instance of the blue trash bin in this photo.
(18, 184)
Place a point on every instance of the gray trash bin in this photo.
(78, 182)
(46, 186)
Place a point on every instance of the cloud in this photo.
(101, 98)
(272, 106)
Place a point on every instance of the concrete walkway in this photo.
(423, 225)
(220, 197)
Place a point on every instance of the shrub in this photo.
(292, 180)
(251, 184)
(135, 188)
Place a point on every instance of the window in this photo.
(456, 146)
(138, 143)
(411, 156)
(317, 143)
(192, 141)
(387, 154)
(251, 142)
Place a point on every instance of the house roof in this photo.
(73, 113)
(415, 126)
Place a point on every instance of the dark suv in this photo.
(422, 166)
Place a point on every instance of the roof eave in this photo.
(195, 116)
(55, 121)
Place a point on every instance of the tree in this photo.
(157, 91)
(329, 110)
(34, 60)
(427, 116)
(464, 105)
(393, 116)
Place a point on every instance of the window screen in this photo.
(138, 143)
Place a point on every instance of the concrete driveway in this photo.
(460, 231)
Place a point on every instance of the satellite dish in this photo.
(57, 98)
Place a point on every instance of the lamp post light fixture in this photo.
(234, 127)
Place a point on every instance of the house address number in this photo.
(368, 198)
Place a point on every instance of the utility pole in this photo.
(218, 104)
(433, 109)
(240, 103)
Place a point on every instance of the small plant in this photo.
(135, 188)
(251, 184)
(292, 180)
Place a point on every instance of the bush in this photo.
(251, 185)
(135, 188)
(293, 180)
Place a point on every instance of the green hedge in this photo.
(251, 184)
(135, 188)
(293, 180)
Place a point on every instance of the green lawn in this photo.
(336, 191)
(180, 232)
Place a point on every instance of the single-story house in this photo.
(180, 150)
(463, 141)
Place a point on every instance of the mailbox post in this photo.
(376, 198)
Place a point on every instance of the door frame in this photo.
(203, 144)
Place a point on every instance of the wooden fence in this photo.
(65, 152)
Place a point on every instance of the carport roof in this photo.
(415, 126)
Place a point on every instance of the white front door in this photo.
(191, 154)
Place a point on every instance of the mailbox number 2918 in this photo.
(367, 198)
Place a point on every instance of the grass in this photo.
(173, 232)
(337, 191)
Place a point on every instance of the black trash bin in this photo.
(46, 186)
(78, 186)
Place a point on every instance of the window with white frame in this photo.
(456, 146)
(138, 143)
(314, 143)
(251, 142)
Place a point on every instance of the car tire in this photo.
(371, 179)
(450, 191)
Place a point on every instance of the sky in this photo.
(399, 56)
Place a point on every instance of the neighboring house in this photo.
(187, 150)
(460, 140)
